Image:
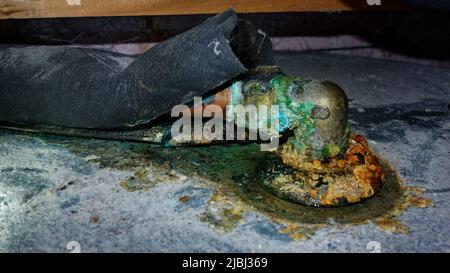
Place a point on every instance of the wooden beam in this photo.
(10, 9)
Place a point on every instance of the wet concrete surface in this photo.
(111, 196)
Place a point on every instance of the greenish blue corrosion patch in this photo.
(236, 93)
(297, 114)
(291, 114)
(283, 122)
(236, 98)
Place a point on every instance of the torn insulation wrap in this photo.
(89, 88)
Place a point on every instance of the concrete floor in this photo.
(52, 193)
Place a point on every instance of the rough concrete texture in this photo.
(51, 195)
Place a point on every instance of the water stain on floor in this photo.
(232, 171)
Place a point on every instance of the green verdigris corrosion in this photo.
(292, 114)
(297, 114)
(290, 109)
(330, 151)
